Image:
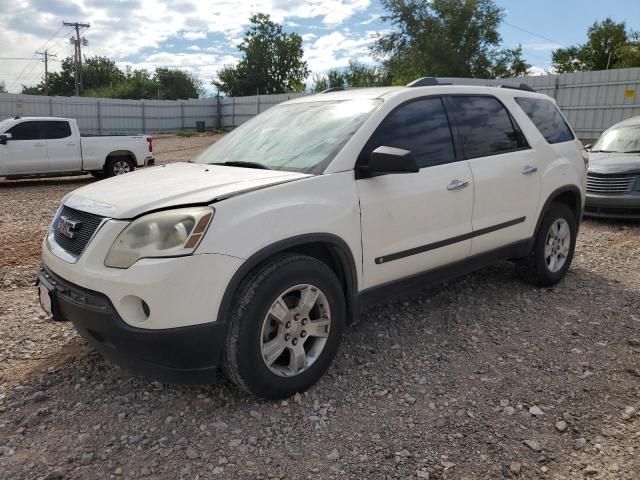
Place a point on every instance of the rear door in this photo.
(26, 152)
(415, 222)
(505, 172)
(63, 149)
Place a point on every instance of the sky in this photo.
(201, 36)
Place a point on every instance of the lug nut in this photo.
(303, 333)
(287, 337)
(294, 341)
(297, 317)
(304, 321)
(288, 325)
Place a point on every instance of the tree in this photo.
(272, 62)
(177, 84)
(452, 38)
(355, 75)
(3, 87)
(608, 45)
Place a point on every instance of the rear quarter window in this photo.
(547, 118)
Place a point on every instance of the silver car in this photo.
(613, 180)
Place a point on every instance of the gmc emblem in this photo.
(68, 227)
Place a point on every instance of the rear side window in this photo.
(25, 131)
(485, 126)
(53, 130)
(420, 126)
(545, 115)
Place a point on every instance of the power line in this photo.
(534, 34)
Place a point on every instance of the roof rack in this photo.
(333, 89)
(435, 81)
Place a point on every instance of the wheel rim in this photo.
(557, 245)
(295, 330)
(121, 167)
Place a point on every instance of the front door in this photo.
(416, 221)
(25, 152)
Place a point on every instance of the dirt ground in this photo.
(483, 378)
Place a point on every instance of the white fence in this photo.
(592, 101)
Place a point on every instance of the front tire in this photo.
(553, 250)
(286, 325)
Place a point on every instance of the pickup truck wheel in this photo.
(286, 325)
(553, 250)
(118, 166)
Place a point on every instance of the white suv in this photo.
(255, 256)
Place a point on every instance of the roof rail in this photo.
(481, 82)
(333, 89)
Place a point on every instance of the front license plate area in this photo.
(46, 301)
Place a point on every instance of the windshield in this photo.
(619, 140)
(300, 137)
(5, 123)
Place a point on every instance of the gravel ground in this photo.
(483, 378)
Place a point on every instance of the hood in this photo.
(614, 163)
(175, 184)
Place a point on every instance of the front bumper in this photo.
(190, 354)
(625, 206)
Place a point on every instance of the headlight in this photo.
(170, 233)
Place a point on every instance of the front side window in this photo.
(420, 126)
(299, 137)
(619, 140)
(55, 129)
(25, 131)
(546, 117)
(485, 126)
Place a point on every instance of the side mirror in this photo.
(4, 137)
(588, 146)
(384, 160)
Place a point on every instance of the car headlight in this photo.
(170, 233)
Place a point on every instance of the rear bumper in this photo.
(625, 206)
(190, 354)
(149, 161)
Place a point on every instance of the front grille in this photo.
(82, 234)
(609, 184)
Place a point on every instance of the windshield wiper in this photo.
(239, 163)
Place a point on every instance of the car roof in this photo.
(38, 118)
(629, 122)
(388, 92)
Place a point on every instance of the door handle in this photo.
(71, 144)
(528, 170)
(38, 144)
(457, 184)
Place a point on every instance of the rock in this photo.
(191, 453)
(422, 381)
(87, 458)
(333, 455)
(6, 451)
(590, 470)
(32, 420)
(634, 342)
(38, 397)
(561, 426)
(422, 474)
(504, 402)
(533, 445)
(255, 414)
(509, 411)
(168, 420)
(236, 442)
(536, 411)
(145, 471)
(220, 425)
(56, 474)
(117, 471)
(515, 468)
(629, 413)
(544, 469)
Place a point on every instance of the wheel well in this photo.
(335, 260)
(571, 199)
(121, 153)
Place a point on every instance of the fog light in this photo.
(134, 309)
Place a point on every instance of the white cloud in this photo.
(194, 35)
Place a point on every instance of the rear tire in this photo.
(553, 250)
(286, 325)
(118, 166)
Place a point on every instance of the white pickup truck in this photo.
(52, 146)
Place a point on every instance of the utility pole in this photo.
(46, 69)
(78, 53)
